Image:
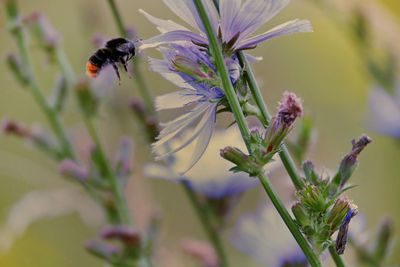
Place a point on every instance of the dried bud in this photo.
(42, 29)
(74, 170)
(341, 239)
(349, 162)
(125, 234)
(11, 127)
(102, 250)
(242, 161)
(18, 69)
(301, 214)
(201, 251)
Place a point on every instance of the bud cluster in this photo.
(266, 143)
(321, 210)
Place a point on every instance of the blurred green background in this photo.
(323, 68)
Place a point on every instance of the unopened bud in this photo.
(201, 251)
(311, 176)
(11, 127)
(103, 250)
(123, 164)
(74, 170)
(125, 234)
(242, 161)
(86, 99)
(301, 214)
(349, 162)
(338, 212)
(42, 29)
(18, 69)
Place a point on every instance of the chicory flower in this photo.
(234, 25)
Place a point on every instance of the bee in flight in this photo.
(118, 50)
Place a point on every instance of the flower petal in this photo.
(170, 37)
(162, 66)
(229, 11)
(163, 25)
(291, 27)
(177, 99)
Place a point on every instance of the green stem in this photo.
(140, 82)
(293, 228)
(203, 215)
(336, 257)
(287, 160)
(240, 120)
(120, 202)
(40, 99)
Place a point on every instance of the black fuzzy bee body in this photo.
(118, 50)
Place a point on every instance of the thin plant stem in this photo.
(122, 208)
(138, 78)
(336, 257)
(293, 228)
(51, 115)
(203, 215)
(240, 120)
(148, 100)
(287, 160)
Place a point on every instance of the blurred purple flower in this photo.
(234, 26)
(385, 111)
(190, 68)
(210, 176)
(265, 238)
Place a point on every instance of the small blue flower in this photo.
(210, 177)
(264, 237)
(385, 111)
(189, 67)
(235, 25)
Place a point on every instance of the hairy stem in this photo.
(240, 120)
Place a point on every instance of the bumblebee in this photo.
(118, 50)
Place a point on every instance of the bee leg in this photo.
(115, 67)
(123, 62)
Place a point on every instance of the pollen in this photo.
(91, 69)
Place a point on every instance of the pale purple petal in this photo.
(162, 66)
(266, 9)
(229, 11)
(163, 25)
(203, 139)
(291, 27)
(184, 11)
(170, 37)
(252, 59)
(384, 113)
(177, 99)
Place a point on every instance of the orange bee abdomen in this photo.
(91, 69)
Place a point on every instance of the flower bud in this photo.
(341, 239)
(123, 164)
(301, 214)
(44, 32)
(18, 69)
(242, 161)
(103, 250)
(290, 108)
(349, 162)
(201, 251)
(74, 170)
(125, 234)
(11, 127)
(338, 212)
(311, 176)
(86, 99)
(383, 240)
